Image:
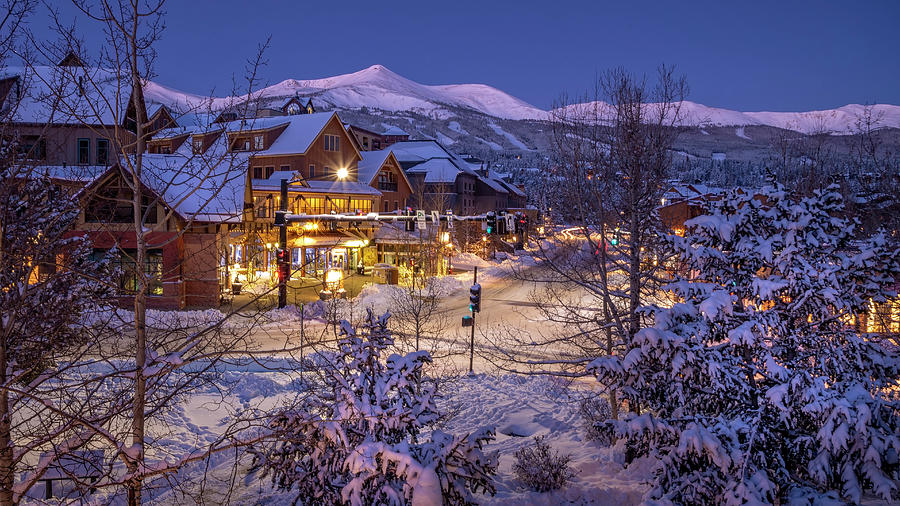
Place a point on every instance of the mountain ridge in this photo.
(377, 87)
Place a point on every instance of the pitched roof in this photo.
(302, 130)
(392, 130)
(420, 150)
(438, 170)
(74, 173)
(371, 163)
(208, 188)
(70, 95)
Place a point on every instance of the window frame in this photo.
(104, 142)
(87, 149)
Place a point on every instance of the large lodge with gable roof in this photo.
(210, 182)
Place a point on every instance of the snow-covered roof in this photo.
(302, 130)
(75, 173)
(207, 188)
(250, 124)
(69, 95)
(371, 163)
(438, 170)
(393, 130)
(169, 133)
(511, 188)
(419, 151)
(495, 184)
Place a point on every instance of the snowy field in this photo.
(516, 407)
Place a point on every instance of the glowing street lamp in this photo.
(342, 173)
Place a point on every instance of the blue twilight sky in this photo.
(747, 55)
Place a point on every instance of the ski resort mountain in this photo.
(377, 87)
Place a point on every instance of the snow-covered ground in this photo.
(518, 407)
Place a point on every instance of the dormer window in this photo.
(258, 142)
(293, 108)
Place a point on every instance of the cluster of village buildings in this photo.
(211, 179)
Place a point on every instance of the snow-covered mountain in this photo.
(842, 120)
(379, 88)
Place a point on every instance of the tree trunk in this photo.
(7, 466)
(140, 301)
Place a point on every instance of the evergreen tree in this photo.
(361, 439)
(758, 384)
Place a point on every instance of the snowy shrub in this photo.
(362, 439)
(540, 468)
(757, 385)
(594, 411)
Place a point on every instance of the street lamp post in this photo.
(283, 257)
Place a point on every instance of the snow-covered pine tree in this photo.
(759, 388)
(362, 438)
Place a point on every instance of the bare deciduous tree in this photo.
(613, 160)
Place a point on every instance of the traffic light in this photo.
(282, 255)
(615, 238)
(491, 220)
(475, 298)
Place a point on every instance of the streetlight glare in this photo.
(342, 173)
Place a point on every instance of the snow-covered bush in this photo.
(594, 411)
(362, 439)
(757, 386)
(540, 468)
